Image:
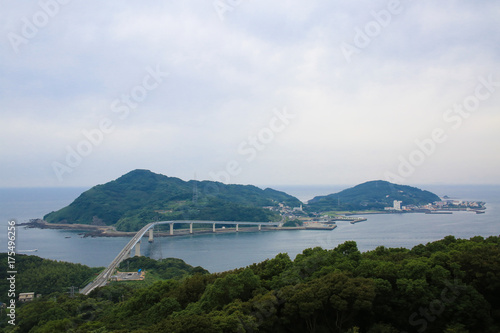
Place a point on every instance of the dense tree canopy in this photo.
(44, 276)
(452, 285)
(141, 196)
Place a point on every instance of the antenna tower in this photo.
(195, 190)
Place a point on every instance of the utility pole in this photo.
(72, 291)
(195, 191)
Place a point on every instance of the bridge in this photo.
(135, 242)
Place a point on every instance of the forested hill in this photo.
(141, 196)
(372, 195)
(451, 286)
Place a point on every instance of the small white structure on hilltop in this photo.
(397, 205)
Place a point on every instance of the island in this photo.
(123, 206)
(141, 196)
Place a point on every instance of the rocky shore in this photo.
(90, 230)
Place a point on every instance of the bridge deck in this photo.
(105, 275)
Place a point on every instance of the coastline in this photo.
(110, 231)
(417, 211)
(91, 230)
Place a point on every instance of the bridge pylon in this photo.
(126, 252)
(138, 249)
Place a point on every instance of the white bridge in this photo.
(105, 275)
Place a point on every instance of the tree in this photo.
(228, 288)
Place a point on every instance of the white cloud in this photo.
(352, 121)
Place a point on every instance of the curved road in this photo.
(106, 274)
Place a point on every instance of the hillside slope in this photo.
(375, 194)
(141, 196)
(450, 285)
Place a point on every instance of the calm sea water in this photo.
(220, 252)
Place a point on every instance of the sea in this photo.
(222, 252)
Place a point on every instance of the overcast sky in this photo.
(250, 92)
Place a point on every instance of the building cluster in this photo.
(286, 211)
(397, 206)
(459, 204)
(438, 205)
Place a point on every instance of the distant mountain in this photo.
(371, 195)
(141, 196)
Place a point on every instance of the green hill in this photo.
(371, 195)
(450, 285)
(141, 196)
(44, 276)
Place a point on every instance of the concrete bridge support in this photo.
(138, 249)
(260, 227)
(126, 252)
(151, 239)
(237, 227)
(190, 228)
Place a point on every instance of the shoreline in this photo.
(110, 231)
(417, 211)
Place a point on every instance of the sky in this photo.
(250, 92)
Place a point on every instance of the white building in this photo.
(397, 205)
(26, 297)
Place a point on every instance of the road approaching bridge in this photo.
(105, 275)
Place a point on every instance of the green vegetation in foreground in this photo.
(157, 270)
(44, 276)
(373, 195)
(141, 196)
(451, 286)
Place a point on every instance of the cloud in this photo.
(353, 119)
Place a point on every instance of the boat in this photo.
(67, 236)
